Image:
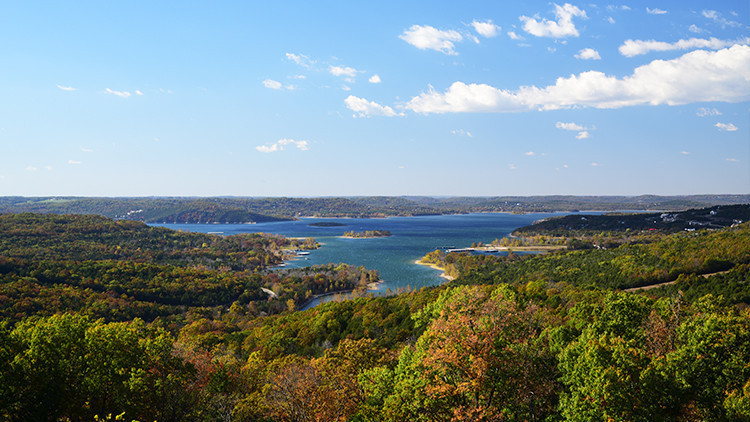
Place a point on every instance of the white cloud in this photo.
(374, 79)
(48, 167)
(685, 152)
(512, 166)
(31, 168)
(717, 18)
(696, 30)
(613, 7)
(656, 11)
(697, 76)
(726, 127)
(588, 54)
(299, 77)
(562, 27)
(122, 94)
(427, 37)
(569, 126)
(486, 29)
(461, 132)
(636, 47)
(342, 71)
(611, 19)
(529, 153)
(137, 92)
(514, 36)
(271, 84)
(703, 112)
(300, 59)
(582, 131)
(66, 88)
(595, 165)
(73, 162)
(281, 144)
(87, 150)
(365, 108)
(733, 160)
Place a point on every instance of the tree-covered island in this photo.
(368, 234)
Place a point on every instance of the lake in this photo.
(393, 257)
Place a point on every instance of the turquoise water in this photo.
(394, 256)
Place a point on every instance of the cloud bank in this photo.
(697, 76)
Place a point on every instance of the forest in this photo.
(199, 210)
(115, 320)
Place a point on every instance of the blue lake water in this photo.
(394, 256)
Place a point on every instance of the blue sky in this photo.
(379, 98)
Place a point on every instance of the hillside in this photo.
(258, 210)
(669, 222)
(87, 331)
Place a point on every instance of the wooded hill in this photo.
(577, 225)
(249, 210)
(549, 337)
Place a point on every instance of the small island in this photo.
(369, 234)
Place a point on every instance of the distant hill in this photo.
(712, 218)
(258, 210)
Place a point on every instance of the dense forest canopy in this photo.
(250, 210)
(187, 327)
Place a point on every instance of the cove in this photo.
(393, 257)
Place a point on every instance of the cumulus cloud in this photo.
(685, 152)
(365, 108)
(588, 54)
(529, 153)
(374, 79)
(486, 29)
(300, 59)
(66, 88)
(569, 126)
(560, 28)
(272, 84)
(726, 127)
(281, 144)
(137, 92)
(582, 131)
(697, 76)
(122, 94)
(514, 36)
(656, 11)
(733, 160)
(696, 30)
(703, 112)
(342, 71)
(430, 38)
(73, 162)
(636, 47)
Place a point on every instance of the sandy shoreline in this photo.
(443, 274)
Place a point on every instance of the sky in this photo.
(333, 98)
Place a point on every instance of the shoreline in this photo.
(433, 266)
